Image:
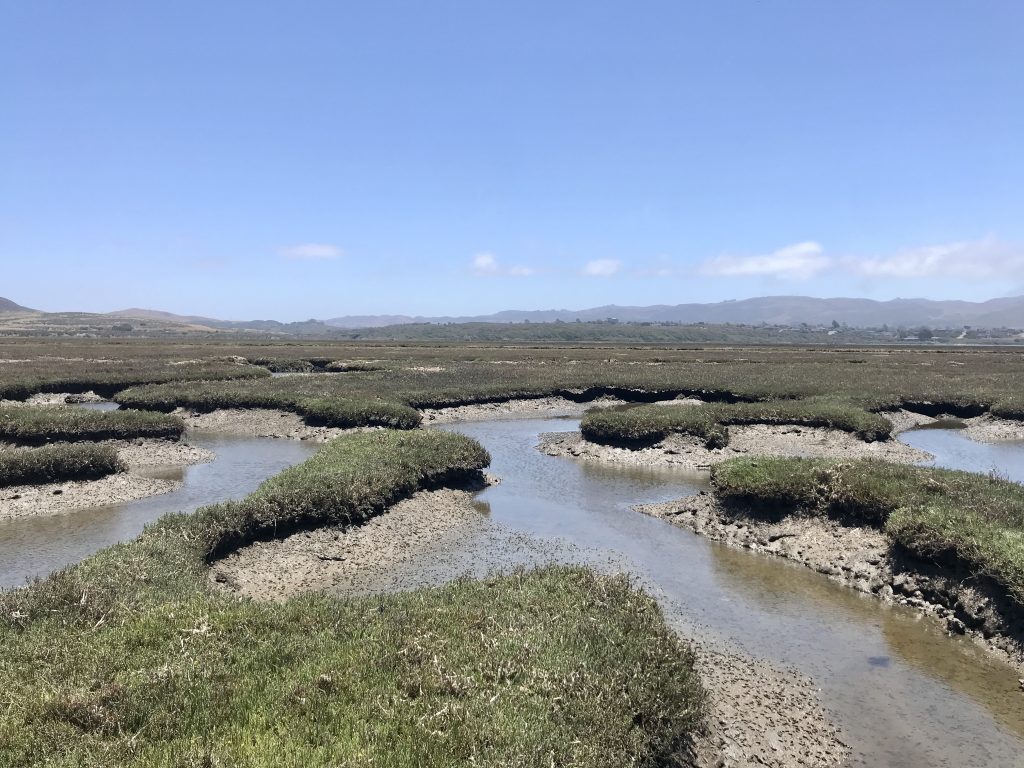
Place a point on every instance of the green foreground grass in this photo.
(648, 424)
(964, 518)
(57, 463)
(129, 659)
(43, 424)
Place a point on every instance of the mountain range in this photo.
(773, 310)
(770, 310)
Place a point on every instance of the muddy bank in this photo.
(153, 453)
(686, 452)
(758, 714)
(984, 429)
(257, 422)
(60, 498)
(59, 398)
(539, 408)
(863, 559)
(69, 496)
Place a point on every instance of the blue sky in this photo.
(314, 159)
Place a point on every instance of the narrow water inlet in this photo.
(33, 547)
(934, 700)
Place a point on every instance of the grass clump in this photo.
(43, 424)
(56, 463)
(646, 425)
(130, 659)
(962, 518)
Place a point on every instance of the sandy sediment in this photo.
(688, 452)
(758, 714)
(861, 558)
(257, 422)
(60, 498)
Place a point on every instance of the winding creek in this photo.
(904, 693)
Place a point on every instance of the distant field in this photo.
(379, 383)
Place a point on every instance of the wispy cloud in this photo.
(799, 261)
(487, 265)
(602, 267)
(311, 252)
(971, 259)
(986, 259)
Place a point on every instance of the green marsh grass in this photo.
(645, 425)
(36, 425)
(57, 463)
(130, 659)
(973, 520)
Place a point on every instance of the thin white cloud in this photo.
(799, 261)
(983, 259)
(311, 252)
(986, 259)
(602, 267)
(487, 265)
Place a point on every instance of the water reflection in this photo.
(36, 546)
(904, 693)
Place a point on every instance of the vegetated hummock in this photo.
(976, 521)
(57, 463)
(44, 424)
(646, 425)
(128, 658)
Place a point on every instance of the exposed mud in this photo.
(60, 398)
(984, 429)
(257, 422)
(862, 558)
(68, 496)
(60, 498)
(539, 408)
(152, 453)
(686, 452)
(758, 714)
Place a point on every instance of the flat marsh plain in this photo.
(130, 658)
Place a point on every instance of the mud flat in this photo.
(60, 498)
(984, 429)
(539, 408)
(67, 496)
(57, 399)
(686, 452)
(861, 558)
(257, 422)
(758, 714)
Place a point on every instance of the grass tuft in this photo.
(44, 424)
(57, 463)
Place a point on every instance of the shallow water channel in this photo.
(36, 546)
(903, 692)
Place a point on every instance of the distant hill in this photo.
(6, 305)
(773, 310)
